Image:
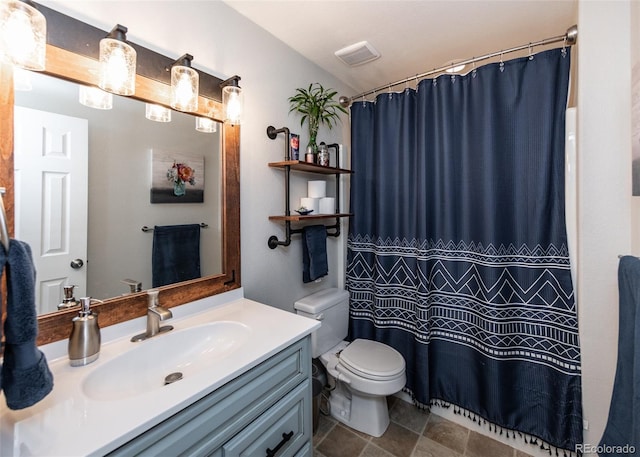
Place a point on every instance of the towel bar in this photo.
(149, 229)
(274, 242)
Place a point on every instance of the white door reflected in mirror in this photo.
(51, 191)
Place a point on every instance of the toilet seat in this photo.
(372, 360)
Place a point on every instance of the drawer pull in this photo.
(285, 437)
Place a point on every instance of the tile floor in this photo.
(412, 433)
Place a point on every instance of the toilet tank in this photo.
(331, 308)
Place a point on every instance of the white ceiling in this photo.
(412, 36)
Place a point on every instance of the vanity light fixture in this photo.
(185, 83)
(117, 63)
(23, 34)
(157, 113)
(206, 125)
(94, 97)
(232, 100)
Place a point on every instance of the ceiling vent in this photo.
(357, 54)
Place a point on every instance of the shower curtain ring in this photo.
(564, 47)
(501, 62)
(530, 52)
(474, 71)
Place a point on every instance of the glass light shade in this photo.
(205, 125)
(21, 79)
(185, 84)
(233, 104)
(117, 67)
(157, 113)
(23, 35)
(94, 97)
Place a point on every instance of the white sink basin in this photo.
(144, 368)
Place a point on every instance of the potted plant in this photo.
(317, 106)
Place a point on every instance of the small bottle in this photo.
(84, 341)
(310, 156)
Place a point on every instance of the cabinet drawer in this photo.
(208, 423)
(279, 432)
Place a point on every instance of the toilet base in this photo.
(364, 413)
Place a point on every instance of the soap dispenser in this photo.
(69, 301)
(84, 341)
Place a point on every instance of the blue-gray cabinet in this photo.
(263, 412)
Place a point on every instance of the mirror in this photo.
(107, 216)
(72, 66)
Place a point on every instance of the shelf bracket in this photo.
(274, 242)
(272, 133)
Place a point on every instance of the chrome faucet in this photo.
(155, 314)
(134, 285)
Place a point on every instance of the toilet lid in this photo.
(372, 359)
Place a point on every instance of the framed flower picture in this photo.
(176, 177)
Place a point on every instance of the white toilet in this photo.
(364, 371)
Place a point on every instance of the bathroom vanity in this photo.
(245, 389)
(264, 409)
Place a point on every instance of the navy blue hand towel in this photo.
(176, 254)
(26, 378)
(623, 425)
(314, 252)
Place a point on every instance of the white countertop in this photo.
(68, 423)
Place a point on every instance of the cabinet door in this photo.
(279, 432)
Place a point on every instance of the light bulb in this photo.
(117, 64)
(94, 97)
(206, 125)
(185, 83)
(23, 35)
(157, 113)
(233, 103)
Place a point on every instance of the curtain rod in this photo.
(569, 39)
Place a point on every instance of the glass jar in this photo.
(323, 155)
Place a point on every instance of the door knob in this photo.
(76, 264)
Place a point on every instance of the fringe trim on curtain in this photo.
(497, 429)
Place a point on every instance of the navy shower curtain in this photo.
(457, 251)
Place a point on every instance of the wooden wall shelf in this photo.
(298, 218)
(299, 166)
(309, 167)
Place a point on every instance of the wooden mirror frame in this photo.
(75, 67)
